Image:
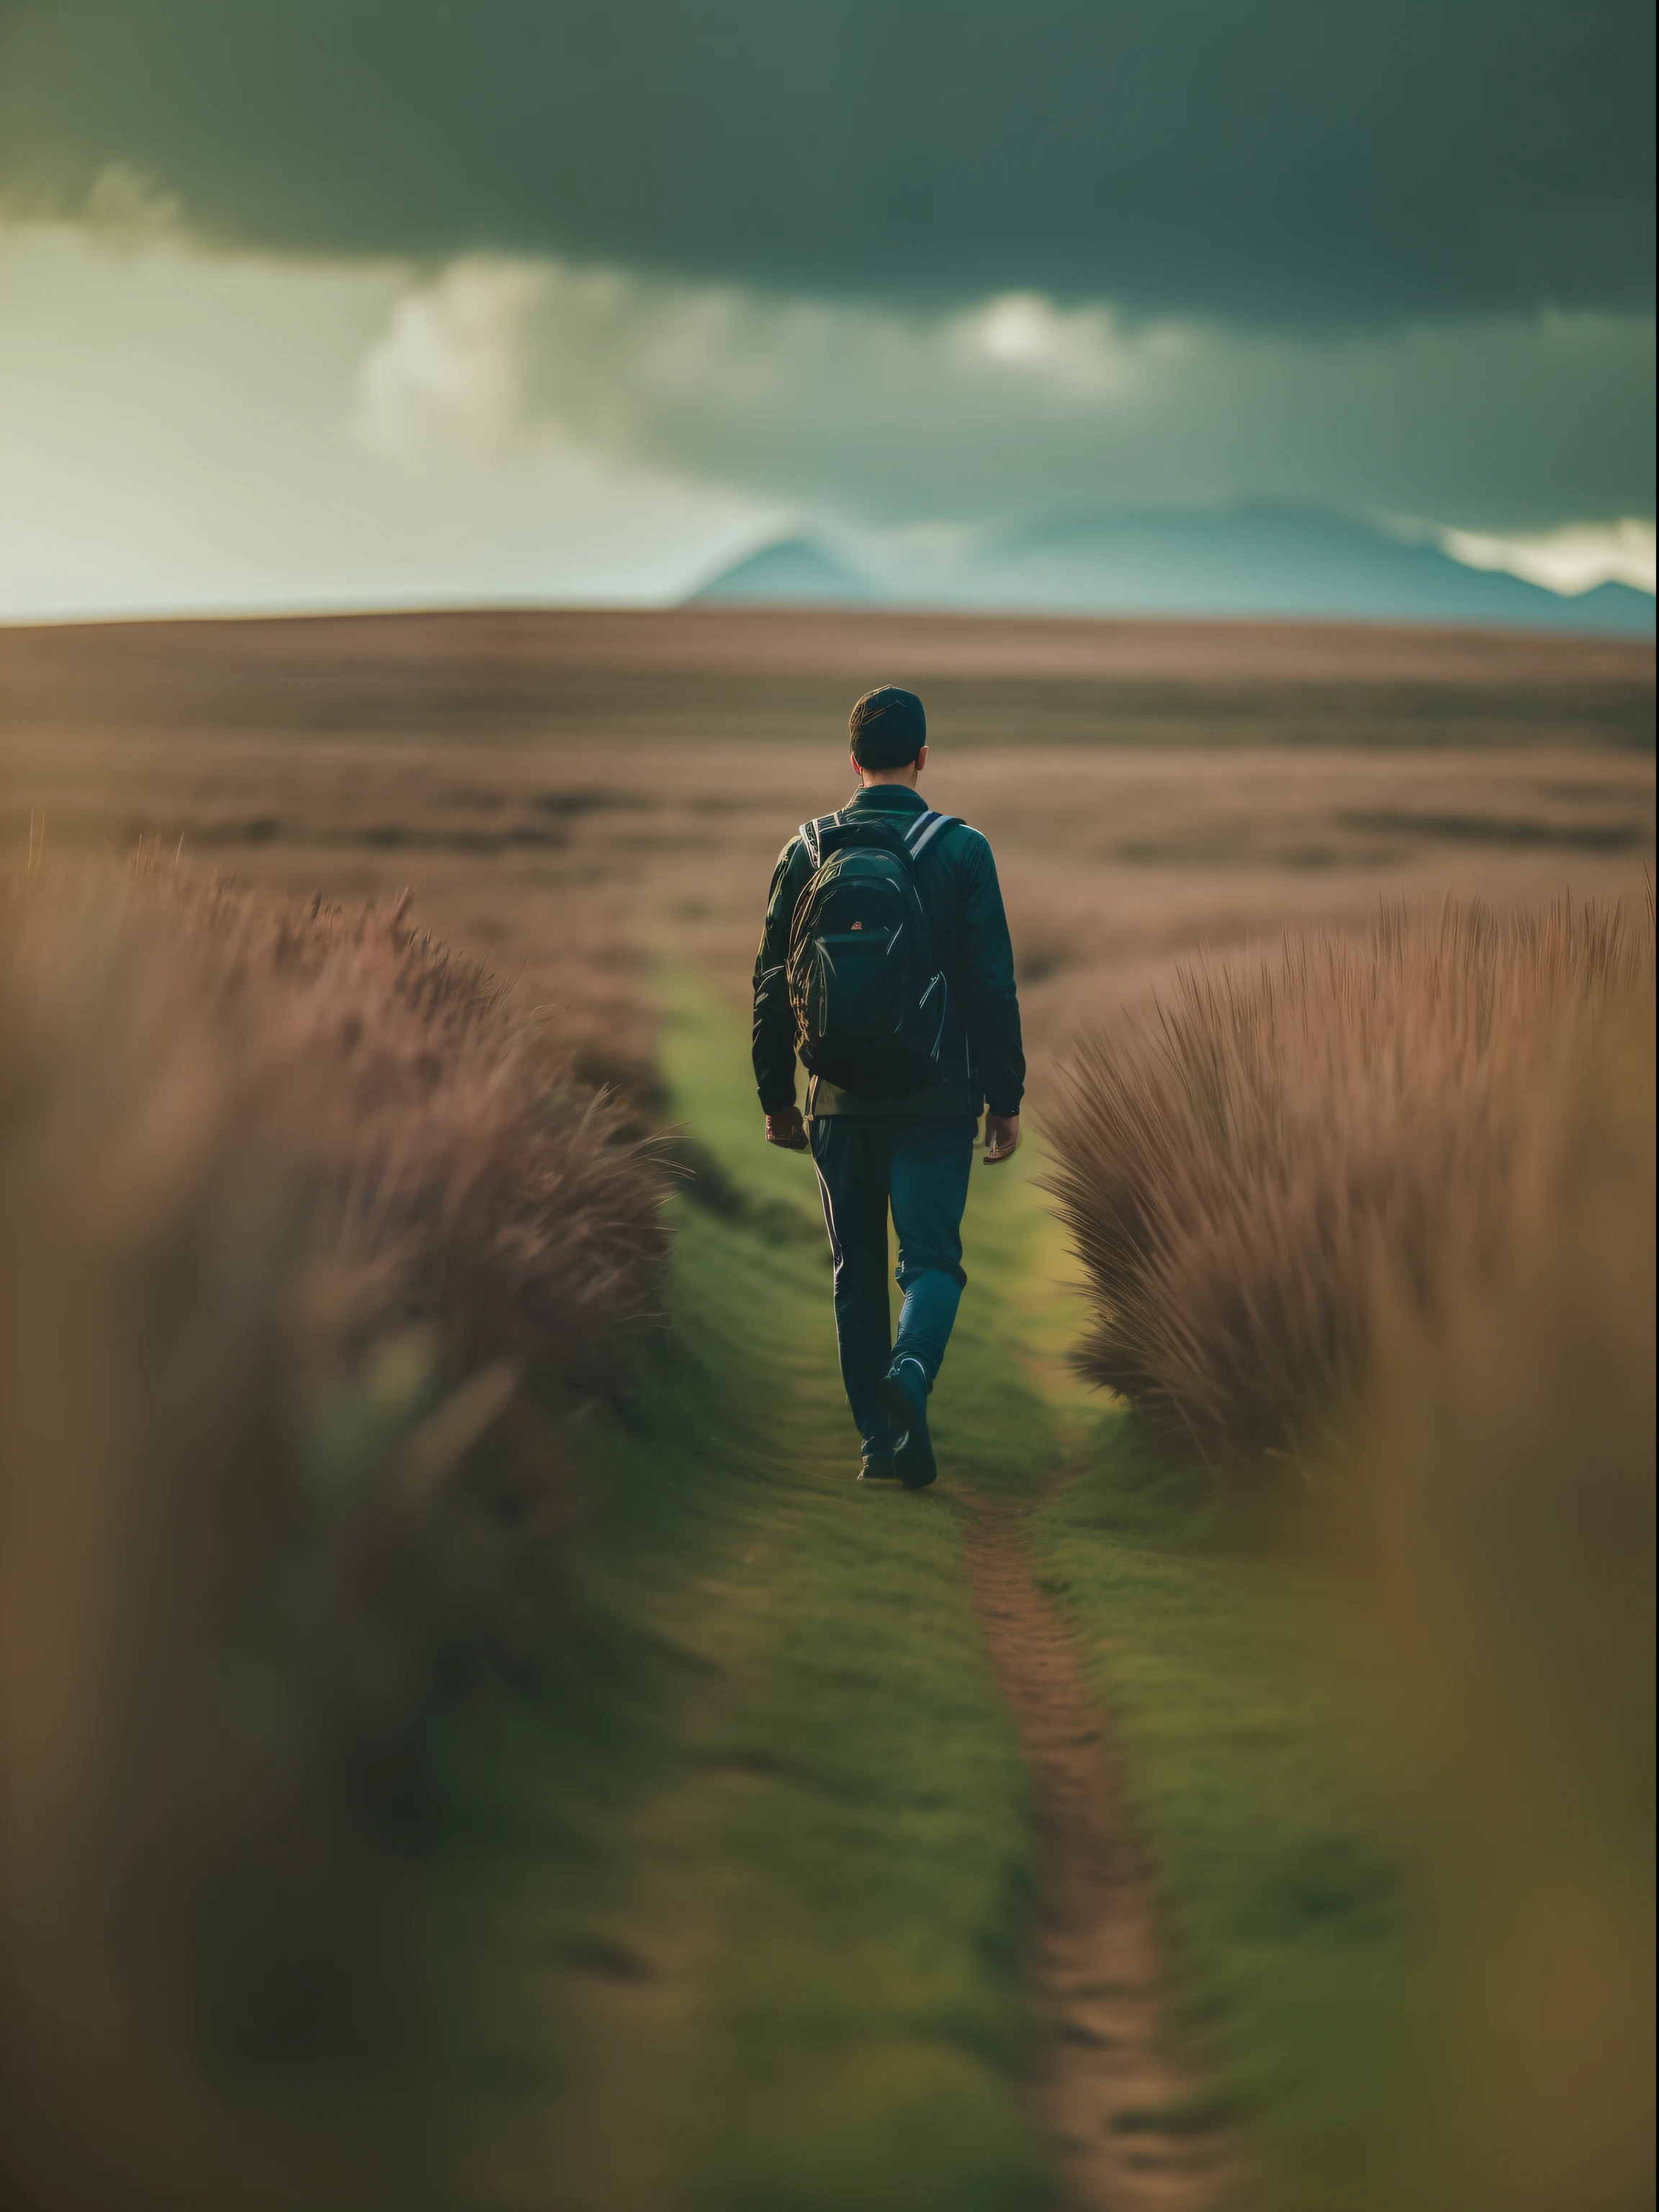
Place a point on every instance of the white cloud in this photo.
(181, 430)
(180, 427)
(1571, 560)
(1081, 351)
(448, 368)
(884, 418)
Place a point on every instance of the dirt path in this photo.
(1109, 2081)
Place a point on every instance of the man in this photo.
(912, 1148)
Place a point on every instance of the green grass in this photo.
(756, 1825)
(753, 1829)
(1251, 1771)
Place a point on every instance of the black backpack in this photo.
(866, 987)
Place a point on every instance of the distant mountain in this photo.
(796, 571)
(1269, 559)
(1255, 559)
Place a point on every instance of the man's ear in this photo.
(921, 758)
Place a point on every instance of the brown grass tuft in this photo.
(1503, 1497)
(306, 1238)
(1244, 1167)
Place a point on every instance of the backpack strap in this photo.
(924, 829)
(809, 834)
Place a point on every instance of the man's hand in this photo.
(786, 1129)
(1001, 1137)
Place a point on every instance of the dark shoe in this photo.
(878, 1468)
(904, 1398)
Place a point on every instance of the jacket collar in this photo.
(889, 798)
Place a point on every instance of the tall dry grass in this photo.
(1503, 1490)
(306, 1239)
(1387, 1210)
(1245, 1169)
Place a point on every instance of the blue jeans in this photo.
(920, 1165)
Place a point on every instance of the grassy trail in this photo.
(767, 1846)
(1130, 2124)
(1103, 2083)
(794, 1869)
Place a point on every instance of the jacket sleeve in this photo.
(992, 1000)
(773, 1038)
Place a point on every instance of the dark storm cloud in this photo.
(1298, 162)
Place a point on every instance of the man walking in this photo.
(885, 963)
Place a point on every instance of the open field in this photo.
(743, 1860)
(705, 673)
(565, 791)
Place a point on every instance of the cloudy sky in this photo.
(364, 301)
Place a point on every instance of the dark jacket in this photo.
(980, 1056)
